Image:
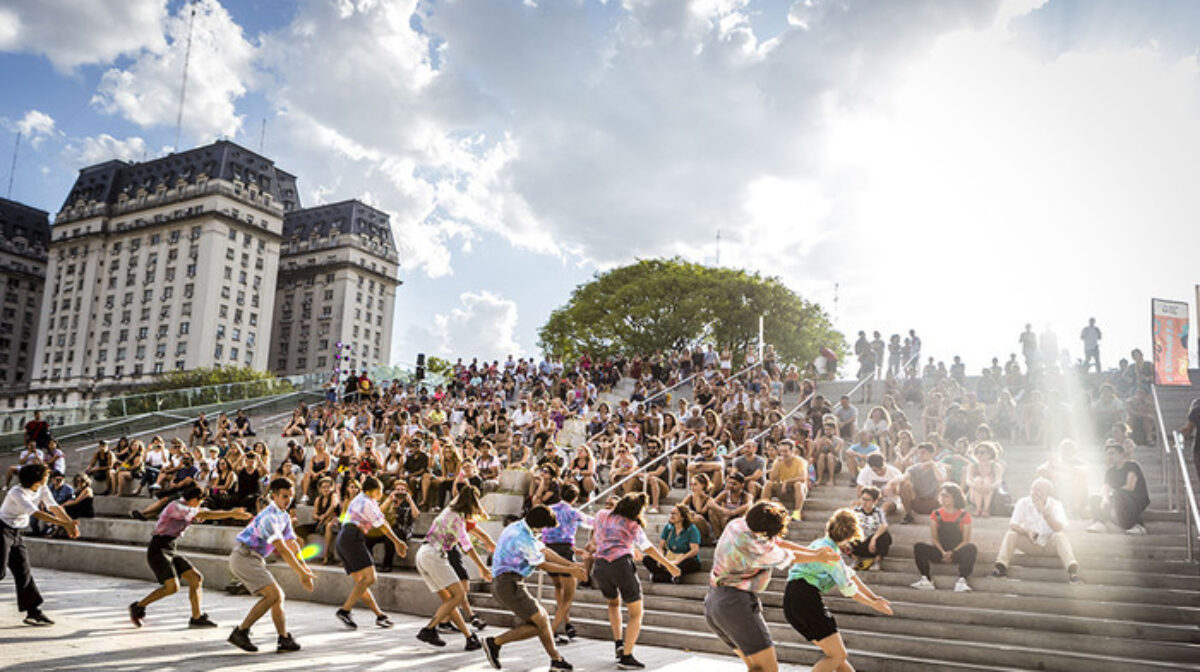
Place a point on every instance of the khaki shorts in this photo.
(435, 569)
(250, 569)
(509, 590)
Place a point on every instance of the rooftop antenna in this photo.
(187, 55)
(262, 137)
(12, 172)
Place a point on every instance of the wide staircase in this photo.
(1138, 610)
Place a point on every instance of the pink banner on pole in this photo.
(1170, 324)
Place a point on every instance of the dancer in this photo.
(270, 532)
(746, 553)
(803, 605)
(561, 540)
(449, 531)
(362, 515)
(518, 553)
(19, 504)
(168, 565)
(618, 533)
(455, 557)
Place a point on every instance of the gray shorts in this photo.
(250, 569)
(435, 569)
(509, 590)
(618, 577)
(736, 617)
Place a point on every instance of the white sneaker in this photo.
(1097, 527)
(876, 567)
(961, 586)
(1136, 530)
(924, 584)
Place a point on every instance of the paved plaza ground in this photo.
(93, 632)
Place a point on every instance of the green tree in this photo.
(438, 366)
(670, 303)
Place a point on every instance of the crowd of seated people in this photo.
(732, 443)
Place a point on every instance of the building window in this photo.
(183, 328)
(218, 351)
(233, 353)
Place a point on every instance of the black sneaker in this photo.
(431, 637)
(473, 643)
(382, 621)
(620, 648)
(561, 664)
(492, 649)
(286, 644)
(344, 617)
(569, 628)
(478, 623)
(36, 617)
(908, 519)
(999, 571)
(561, 638)
(241, 639)
(447, 627)
(203, 622)
(628, 662)
(236, 588)
(136, 614)
(137, 515)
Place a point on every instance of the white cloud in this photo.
(219, 71)
(35, 126)
(483, 326)
(71, 33)
(104, 147)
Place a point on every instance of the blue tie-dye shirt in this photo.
(517, 550)
(269, 526)
(570, 520)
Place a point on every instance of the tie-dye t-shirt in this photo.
(823, 575)
(517, 551)
(744, 559)
(570, 520)
(617, 535)
(447, 531)
(364, 512)
(270, 525)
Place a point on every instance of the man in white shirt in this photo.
(523, 416)
(884, 476)
(1091, 345)
(19, 505)
(1038, 527)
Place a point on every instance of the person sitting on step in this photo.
(1038, 527)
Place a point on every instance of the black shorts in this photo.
(455, 558)
(806, 611)
(567, 551)
(164, 561)
(618, 577)
(353, 550)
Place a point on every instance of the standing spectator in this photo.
(37, 430)
(878, 347)
(1189, 429)
(914, 346)
(895, 354)
(1029, 346)
(1038, 527)
(1124, 495)
(1091, 345)
(950, 529)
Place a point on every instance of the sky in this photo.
(957, 167)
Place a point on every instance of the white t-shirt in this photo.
(21, 503)
(869, 477)
(1026, 515)
(1091, 337)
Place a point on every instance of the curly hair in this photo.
(843, 526)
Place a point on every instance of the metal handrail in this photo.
(1172, 495)
(1191, 514)
(671, 451)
